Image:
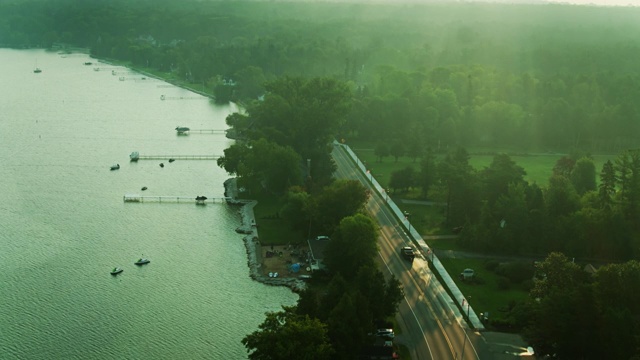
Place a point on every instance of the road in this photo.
(430, 328)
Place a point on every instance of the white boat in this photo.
(142, 261)
(134, 156)
(115, 167)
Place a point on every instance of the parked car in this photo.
(386, 333)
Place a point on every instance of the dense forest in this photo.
(425, 81)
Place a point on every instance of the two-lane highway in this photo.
(430, 328)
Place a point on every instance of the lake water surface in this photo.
(64, 224)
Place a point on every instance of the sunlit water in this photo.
(64, 224)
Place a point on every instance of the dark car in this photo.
(407, 252)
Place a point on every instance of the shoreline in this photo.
(250, 238)
(252, 242)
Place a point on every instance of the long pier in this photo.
(204, 131)
(173, 199)
(174, 157)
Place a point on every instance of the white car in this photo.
(386, 333)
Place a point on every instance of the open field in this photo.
(539, 166)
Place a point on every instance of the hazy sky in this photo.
(600, 2)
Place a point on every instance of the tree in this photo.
(628, 170)
(352, 246)
(287, 335)
(340, 199)
(562, 298)
(617, 294)
(501, 173)
(428, 172)
(460, 182)
(583, 175)
(348, 323)
(607, 188)
(381, 151)
(397, 149)
(511, 221)
(561, 198)
(382, 296)
(564, 166)
(402, 179)
(296, 209)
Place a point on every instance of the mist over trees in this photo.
(538, 77)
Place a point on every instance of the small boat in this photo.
(88, 63)
(172, 160)
(144, 188)
(134, 156)
(116, 270)
(37, 69)
(182, 129)
(115, 167)
(161, 164)
(142, 261)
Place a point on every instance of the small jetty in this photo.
(175, 199)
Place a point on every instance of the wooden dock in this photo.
(135, 198)
(207, 131)
(174, 157)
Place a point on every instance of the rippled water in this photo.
(64, 225)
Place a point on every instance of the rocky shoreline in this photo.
(252, 242)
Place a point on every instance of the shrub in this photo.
(491, 265)
(504, 283)
(517, 272)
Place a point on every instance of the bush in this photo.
(504, 283)
(491, 265)
(517, 272)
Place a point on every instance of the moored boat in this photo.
(142, 261)
(116, 270)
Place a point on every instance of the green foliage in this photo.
(402, 179)
(287, 335)
(263, 165)
(342, 198)
(499, 175)
(583, 175)
(381, 151)
(296, 209)
(352, 246)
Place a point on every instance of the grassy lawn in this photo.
(272, 229)
(539, 167)
(485, 293)
(426, 219)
